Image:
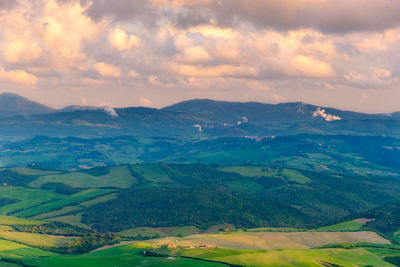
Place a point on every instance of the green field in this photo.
(153, 173)
(343, 226)
(118, 176)
(80, 206)
(62, 202)
(75, 219)
(98, 200)
(11, 249)
(26, 197)
(294, 176)
(34, 172)
(251, 171)
(289, 175)
(118, 256)
(51, 214)
(11, 220)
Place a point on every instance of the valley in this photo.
(130, 190)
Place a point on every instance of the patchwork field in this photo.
(64, 201)
(25, 197)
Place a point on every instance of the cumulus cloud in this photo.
(169, 50)
(123, 41)
(311, 67)
(17, 76)
(322, 113)
(19, 50)
(107, 70)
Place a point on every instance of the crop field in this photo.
(64, 201)
(98, 200)
(160, 232)
(260, 171)
(11, 220)
(75, 219)
(80, 206)
(27, 198)
(51, 214)
(153, 173)
(16, 250)
(118, 176)
(251, 171)
(343, 226)
(274, 240)
(117, 256)
(317, 257)
(34, 172)
(32, 239)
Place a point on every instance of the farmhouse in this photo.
(203, 245)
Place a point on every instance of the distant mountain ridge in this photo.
(15, 105)
(231, 112)
(199, 118)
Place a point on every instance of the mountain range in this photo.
(200, 118)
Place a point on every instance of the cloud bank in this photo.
(339, 53)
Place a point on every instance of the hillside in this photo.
(169, 195)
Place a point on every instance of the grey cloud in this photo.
(330, 16)
(7, 4)
(141, 10)
(327, 16)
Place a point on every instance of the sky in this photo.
(338, 53)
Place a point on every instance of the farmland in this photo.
(273, 240)
(260, 216)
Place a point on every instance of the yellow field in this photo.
(273, 240)
(289, 258)
(33, 239)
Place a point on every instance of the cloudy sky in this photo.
(340, 53)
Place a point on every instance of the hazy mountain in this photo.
(14, 105)
(232, 112)
(76, 107)
(194, 119)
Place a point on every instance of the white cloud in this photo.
(110, 111)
